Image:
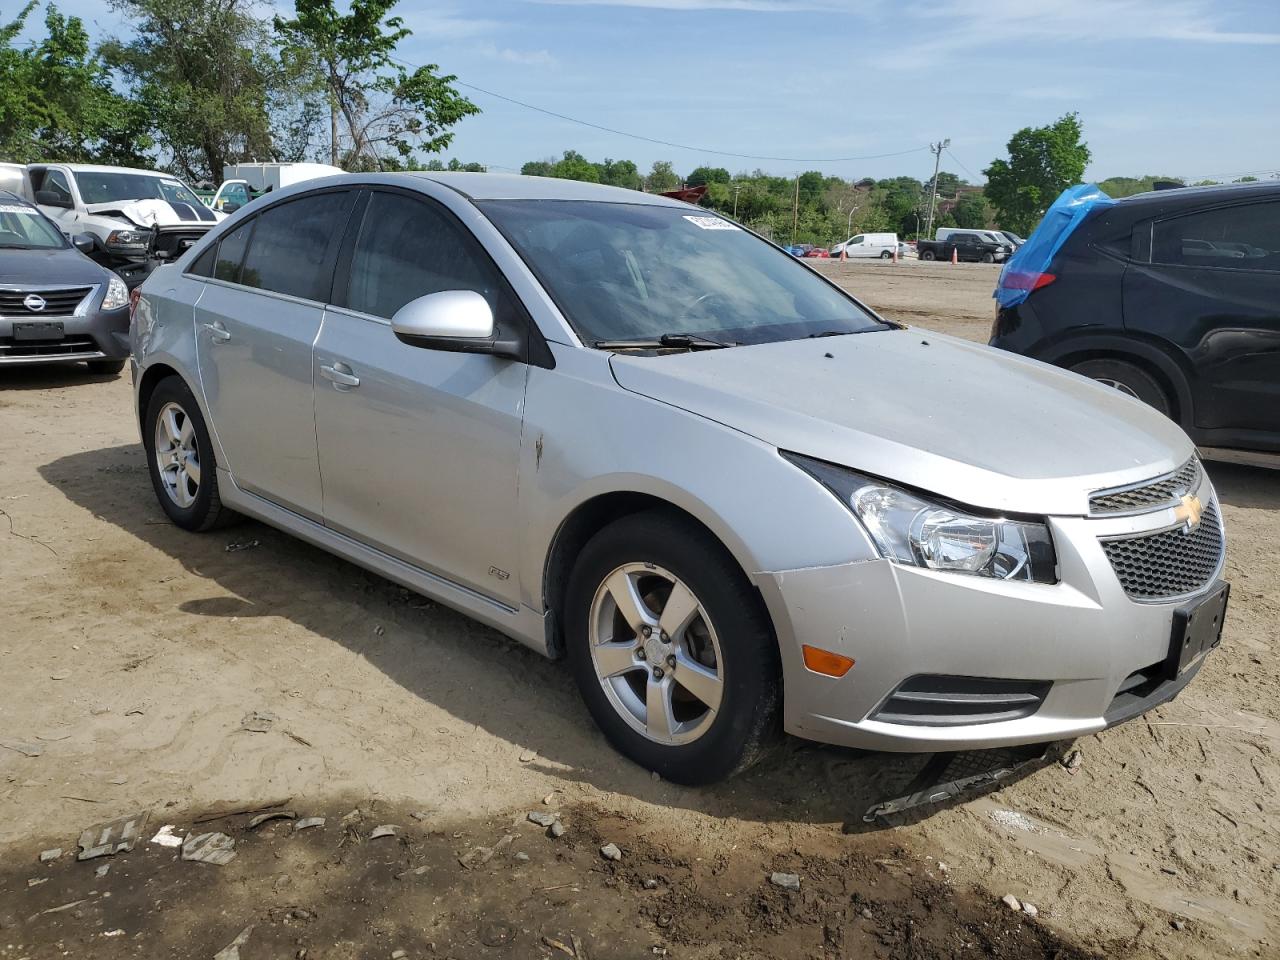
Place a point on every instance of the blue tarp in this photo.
(1020, 273)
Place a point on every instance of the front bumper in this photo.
(98, 335)
(1082, 639)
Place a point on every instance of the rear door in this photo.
(1212, 287)
(256, 322)
(419, 448)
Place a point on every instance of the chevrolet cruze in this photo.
(631, 434)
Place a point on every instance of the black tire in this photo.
(105, 368)
(748, 716)
(1129, 379)
(886, 254)
(928, 255)
(988, 258)
(206, 511)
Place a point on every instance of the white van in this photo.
(880, 245)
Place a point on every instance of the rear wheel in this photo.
(671, 649)
(181, 460)
(886, 254)
(106, 367)
(928, 255)
(1129, 379)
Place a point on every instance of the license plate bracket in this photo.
(1197, 629)
(39, 330)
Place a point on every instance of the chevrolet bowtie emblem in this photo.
(1188, 512)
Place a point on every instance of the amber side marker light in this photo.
(825, 662)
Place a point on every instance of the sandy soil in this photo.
(133, 652)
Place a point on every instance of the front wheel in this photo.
(180, 458)
(988, 258)
(672, 649)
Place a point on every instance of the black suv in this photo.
(1172, 297)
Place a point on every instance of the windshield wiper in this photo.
(687, 341)
(827, 333)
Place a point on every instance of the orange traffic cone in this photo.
(954, 257)
(895, 254)
(844, 254)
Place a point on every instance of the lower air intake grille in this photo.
(1172, 563)
(941, 701)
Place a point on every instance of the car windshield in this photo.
(621, 271)
(22, 228)
(107, 187)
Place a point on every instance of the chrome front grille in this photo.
(1148, 495)
(1170, 563)
(56, 303)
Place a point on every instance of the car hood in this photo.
(966, 421)
(146, 213)
(49, 267)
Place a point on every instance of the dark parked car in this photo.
(1172, 297)
(968, 247)
(56, 305)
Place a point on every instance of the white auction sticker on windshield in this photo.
(712, 223)
(13, 208)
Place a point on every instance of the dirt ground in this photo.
(135, 655)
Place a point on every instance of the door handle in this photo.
(217, 332)
(340, 374)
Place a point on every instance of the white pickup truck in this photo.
(136, 217)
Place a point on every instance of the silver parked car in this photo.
(625, 431)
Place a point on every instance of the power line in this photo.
(973, 175)
(670, 143)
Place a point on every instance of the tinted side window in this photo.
(203, 265)
(56, 181)
(407, 249)
(1242, 237)
(231, 253)
(291, 243)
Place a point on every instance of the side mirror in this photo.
(456, 321)
(84, 242)
(50, 198)
(229, 206)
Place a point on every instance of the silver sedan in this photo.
(631, 434)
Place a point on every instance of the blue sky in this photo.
(1178, 87)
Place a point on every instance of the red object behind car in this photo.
(818, 252)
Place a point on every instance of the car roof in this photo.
(506, 186)
(1205, 194)
(100, 168)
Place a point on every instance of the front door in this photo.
(1213, 287)
(256, 322)
(419, 454)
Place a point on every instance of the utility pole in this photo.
(736, 188)
(937, 149)
(795, 211)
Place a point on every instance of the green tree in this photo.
(701, 175)
(205, 72)
(383, 106)
(662, 177)
(1043, 161)
(574, 166)
(57, 101)
(971, 211)
(619, 173)
(1127, 186)
(537, 168)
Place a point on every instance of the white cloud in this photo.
(528, 58)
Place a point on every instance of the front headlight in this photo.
(908, 528)
(117, 294)
(126, 240)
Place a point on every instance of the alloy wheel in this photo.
(177, 455)
(656, 654)
(1124, 388)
